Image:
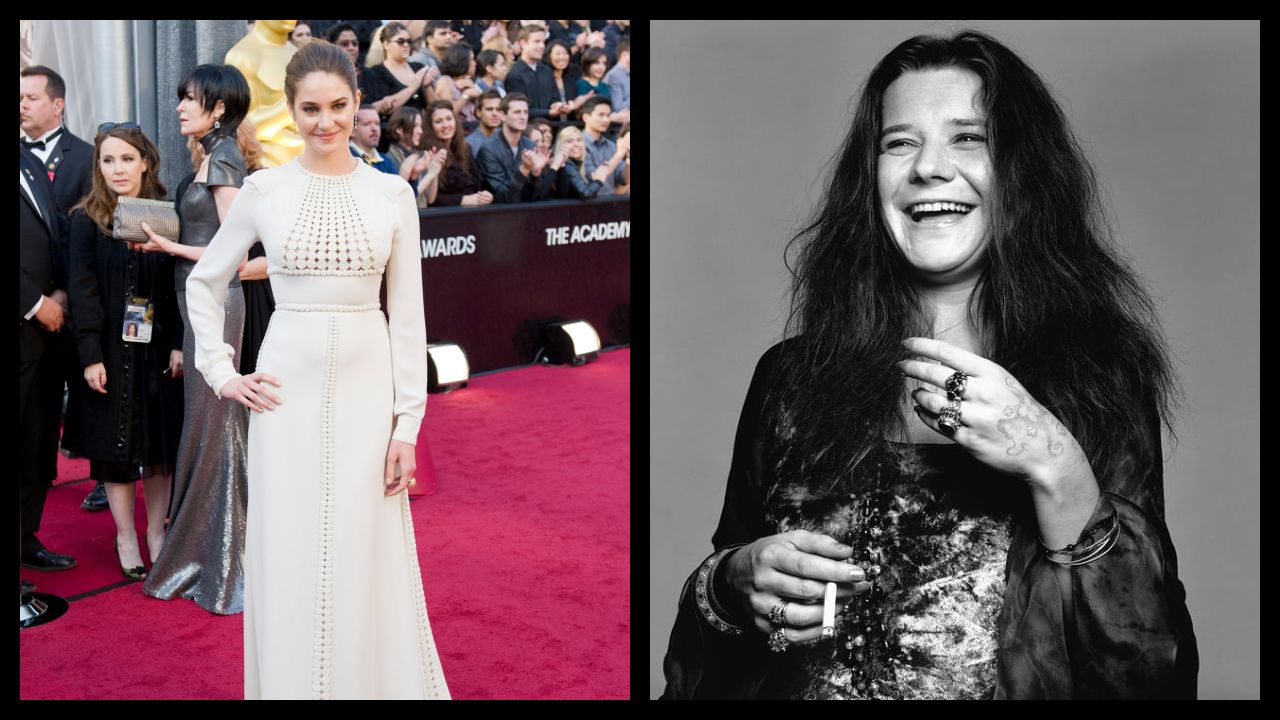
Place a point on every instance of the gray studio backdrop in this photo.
(745, 117)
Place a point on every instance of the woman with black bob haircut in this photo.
(204, 546)
(962, 430)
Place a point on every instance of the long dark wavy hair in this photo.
(1055, 304)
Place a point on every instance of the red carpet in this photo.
(524, 552)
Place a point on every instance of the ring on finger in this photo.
(949, 417)
(957, 383)
(778, 614)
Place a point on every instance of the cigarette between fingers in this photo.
(829, 611)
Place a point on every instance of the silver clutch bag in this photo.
(159, 215)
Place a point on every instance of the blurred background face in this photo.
(301, 35)
(499, 68)
(193, 121)
(597, 68)
(417, 131)
(442, 39)
(544, 142)
(534, 46)
(368, 130)
(348, 41)
(927, 156)
(39, 113)
(399, 47)
(598, 119)
(122, 166)
(324, 110)
(491, 113)
(443, 124)
(535, 135)
(573, 146)
(517, 116)
(559, 58)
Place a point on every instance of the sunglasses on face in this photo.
(123, 126)
(349, 43)
(402, 41)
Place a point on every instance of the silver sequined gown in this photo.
(203, 555)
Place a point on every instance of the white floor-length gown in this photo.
(334, 606)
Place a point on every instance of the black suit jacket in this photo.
(73, 170)
(537, 85)
(40, 236)
(502, 173)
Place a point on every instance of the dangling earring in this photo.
(217, 124)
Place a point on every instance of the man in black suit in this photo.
(68, 160)
(42, 315)
(533, 79)
(511, 180)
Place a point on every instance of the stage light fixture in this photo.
(447, 368)
(572, 343)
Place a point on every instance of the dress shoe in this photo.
(96, 500)
(48, 560)
(27, 587)
(137, 573)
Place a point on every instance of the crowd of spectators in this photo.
(567, 75)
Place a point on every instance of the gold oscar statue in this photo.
(261, 57)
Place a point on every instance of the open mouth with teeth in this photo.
(938, 213)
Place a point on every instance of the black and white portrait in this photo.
(955, 359)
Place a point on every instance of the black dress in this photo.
(139, 419)
(458, 181)
(377, 82)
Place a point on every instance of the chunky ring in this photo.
(778, 615)
(956, 385)
(949, 417)
(778, 641)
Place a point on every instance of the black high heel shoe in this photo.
(137, 573)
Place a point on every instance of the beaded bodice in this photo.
(930, 527)
(328, 236)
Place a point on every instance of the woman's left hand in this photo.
(402, 453)
(155, 243)
(1000, 423)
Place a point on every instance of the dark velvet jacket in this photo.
(1125, 634)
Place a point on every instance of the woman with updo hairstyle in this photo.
(405, 128)
(333, 604)
(957, 447)
(131, 409)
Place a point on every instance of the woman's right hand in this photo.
(251, 391)
(96, 376)
(793, 566)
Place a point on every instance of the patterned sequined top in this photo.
(931, 530)
(965, 605)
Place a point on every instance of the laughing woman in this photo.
(963, 433)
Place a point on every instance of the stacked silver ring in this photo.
(778, 615)
(778, 641)
(949, 417)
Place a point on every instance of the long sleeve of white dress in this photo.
(207, 286)
(405, 320)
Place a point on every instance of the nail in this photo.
(856, 574)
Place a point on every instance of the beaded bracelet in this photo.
(706, 599)
(1089, 553)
